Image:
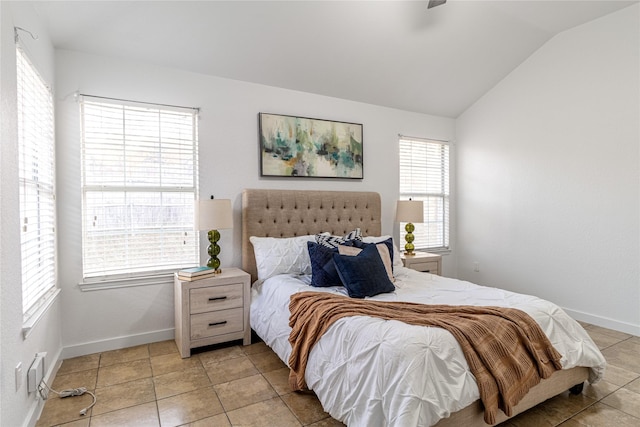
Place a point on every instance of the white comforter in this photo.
(371, 372)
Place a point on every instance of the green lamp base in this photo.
(409, 237)
(214, 250)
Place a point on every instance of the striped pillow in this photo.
(335, 241)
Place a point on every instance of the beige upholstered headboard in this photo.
(290, 213)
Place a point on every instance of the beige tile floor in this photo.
(150, 385)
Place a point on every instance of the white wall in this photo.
(228, 164)
(548, 175)
(19, 406)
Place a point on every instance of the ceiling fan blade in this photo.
(434, 3)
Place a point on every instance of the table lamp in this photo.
(409, 211)
(212, 215)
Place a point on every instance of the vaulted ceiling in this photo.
(392, 53)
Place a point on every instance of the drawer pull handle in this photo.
(224, 322)
(217, 298)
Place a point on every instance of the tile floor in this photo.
(150, 385)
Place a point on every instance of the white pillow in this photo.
(281, 255)
(397, 256)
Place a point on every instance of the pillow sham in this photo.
(397, 256)
(388, 243)
(383, 251)
(281, 255)
(329, 241)
(364, 274)
(323, 269)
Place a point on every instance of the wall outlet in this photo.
(18, 376)
(476, 266)
(35, 375)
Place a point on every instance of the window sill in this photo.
(435, 251)
(128, 282)
(33, 320)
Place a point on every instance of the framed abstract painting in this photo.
(293, 146)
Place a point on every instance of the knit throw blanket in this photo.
(505, 348)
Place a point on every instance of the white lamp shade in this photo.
(213, 214)
(410, 211)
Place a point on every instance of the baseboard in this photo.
(37, 406)
(604, 322)
(116, 343)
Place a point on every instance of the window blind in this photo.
(139, 183)
(37, 188)
(424, 175)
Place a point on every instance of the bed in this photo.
(369, 372)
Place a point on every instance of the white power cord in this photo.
(44, 393)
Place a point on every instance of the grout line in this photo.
(155, 395)
(620, 410)
(289, 409)
(157, 411)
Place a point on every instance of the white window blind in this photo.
(424, 175)
(139, 183)
(37, 186)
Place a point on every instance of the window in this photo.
(37, 188)
(424, 175)
(139, 183)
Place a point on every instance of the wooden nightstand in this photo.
(212, 310)
(423, 261)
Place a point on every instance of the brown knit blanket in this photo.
(505, 348)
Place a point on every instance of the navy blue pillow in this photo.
(323, 269)
(363, 275)
(388, 243)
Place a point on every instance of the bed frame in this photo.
(290, 213)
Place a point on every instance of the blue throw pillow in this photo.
(363, 275)
(388, 243)
(323, 269)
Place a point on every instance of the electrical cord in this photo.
(44, 393)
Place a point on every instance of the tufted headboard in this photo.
(290, 213)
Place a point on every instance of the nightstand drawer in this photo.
(431, 267)
(203, 300)
(216, 323)
(423, 261)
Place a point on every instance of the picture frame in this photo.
(302, 147)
